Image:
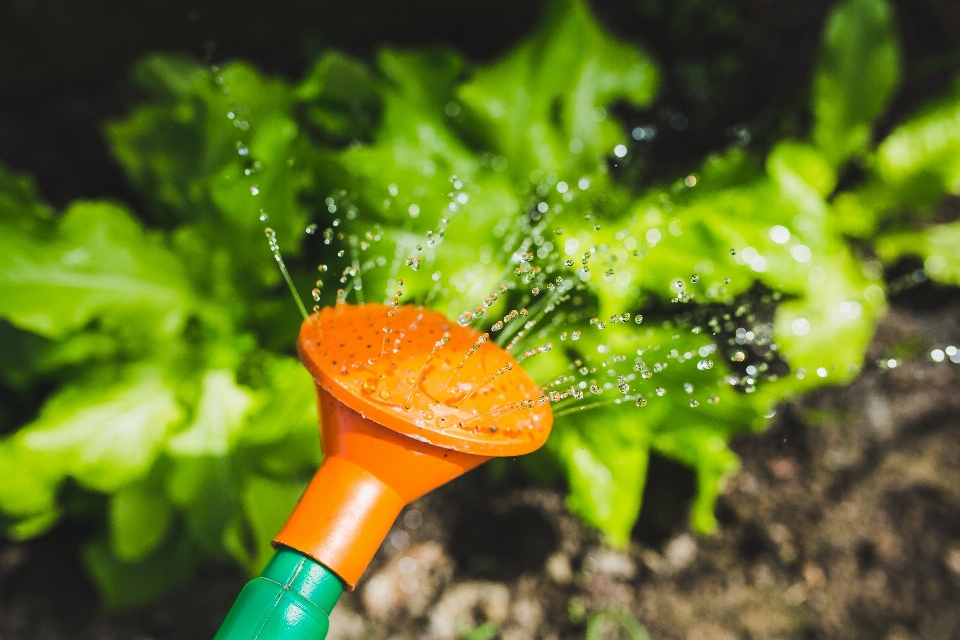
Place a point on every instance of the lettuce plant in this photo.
(174, 414)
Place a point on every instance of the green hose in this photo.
(291, 600)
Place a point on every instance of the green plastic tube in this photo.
(291, 600)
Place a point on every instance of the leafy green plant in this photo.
(179, 419)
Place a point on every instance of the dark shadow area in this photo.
(499, 542)
(65, 65)
(667, 496)
(910, 287)
(46, 594)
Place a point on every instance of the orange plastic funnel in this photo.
(408, 401)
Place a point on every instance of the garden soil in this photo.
(843, 523)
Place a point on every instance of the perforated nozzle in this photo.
(418, 373)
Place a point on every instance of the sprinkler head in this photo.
(409, 400)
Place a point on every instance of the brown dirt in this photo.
(843, 523)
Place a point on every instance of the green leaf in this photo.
(544, 105)
(825, 334)
(203, 478)
(858, 69)
(29, 490)
(104, 431)
(20, 205)
(701, 444)
(281, 433)
(937, 245)
(124, 585)
(204, 489)
(97, 264)
(413, 147)
(140, 516)
(341, 98)
(267, 503)
(284, 404)
(33, 526)
(219, 149)
(919, 161)
(606, 460)
(201, 121)
(22, 357)
(217, 419)
(801, 171)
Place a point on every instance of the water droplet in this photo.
(638, 318)
(733, 252)
(695, 278)
(641, 401)
(660, 391)
(694, 403)
(311, 229)
(254, 190)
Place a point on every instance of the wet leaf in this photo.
(858, 69)
(543, 106)
(97, 263)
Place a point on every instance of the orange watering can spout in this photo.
(408, 401)
(369, 474)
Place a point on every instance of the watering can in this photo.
(408, 401)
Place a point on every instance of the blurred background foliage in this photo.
(148, 381)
